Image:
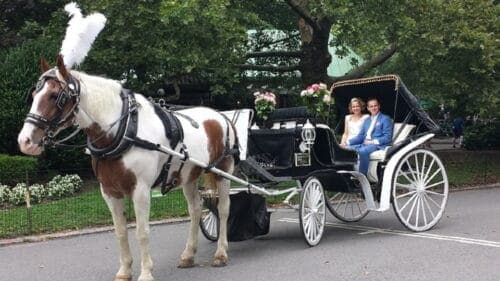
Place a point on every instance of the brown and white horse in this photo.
(64, 97)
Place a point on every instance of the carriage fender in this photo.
(385, 197)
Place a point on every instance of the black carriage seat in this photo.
(328, 151)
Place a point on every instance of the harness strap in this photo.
(127, 130)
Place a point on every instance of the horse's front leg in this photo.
(220, 257)
(116, 206)
(194, 207)
(142, 203)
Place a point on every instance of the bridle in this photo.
(70, 91)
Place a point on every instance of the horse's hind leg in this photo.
(142, 203)
(220, 257)
(194, 207)
(116, 206)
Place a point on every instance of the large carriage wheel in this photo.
(312, 211)
(347, 207)
(419, 190)
(209, 224)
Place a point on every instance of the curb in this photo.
(72, 233)
(68, 234)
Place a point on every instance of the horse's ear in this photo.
(44, 65)
(62, 68)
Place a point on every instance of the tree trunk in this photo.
(315, 56)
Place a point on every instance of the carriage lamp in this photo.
(308, 134)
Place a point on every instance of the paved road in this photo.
(465, 245)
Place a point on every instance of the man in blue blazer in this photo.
(375, 134)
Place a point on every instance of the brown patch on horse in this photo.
(117, 181)
(215, 145)
(44, 65)
(62, 68)
(194, 174)
(215, 137)
(98, 136)
(46, 106)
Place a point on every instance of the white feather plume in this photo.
(80, 34)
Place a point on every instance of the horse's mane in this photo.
(98, 94)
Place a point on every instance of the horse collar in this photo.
(127, 130)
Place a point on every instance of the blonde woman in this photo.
(354, 121)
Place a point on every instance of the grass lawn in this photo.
(84, 210)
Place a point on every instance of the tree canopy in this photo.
(443, 50)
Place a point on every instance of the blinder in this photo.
(70, 92)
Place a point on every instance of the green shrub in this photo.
(482, 136)
(19, 70)
(13, 169)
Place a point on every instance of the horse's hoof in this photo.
(123, 278)
(148, 277)
(219, 261)
(186, 263)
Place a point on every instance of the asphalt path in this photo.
(465, 245)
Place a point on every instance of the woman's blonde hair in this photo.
(362, 104)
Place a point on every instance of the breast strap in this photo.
(127, 130)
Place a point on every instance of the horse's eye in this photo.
(53, 97)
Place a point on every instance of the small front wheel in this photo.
(312, 211)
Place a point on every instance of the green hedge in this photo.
(19, 71)
(13, 168)
(482, 136)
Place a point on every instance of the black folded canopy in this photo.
(396, 100)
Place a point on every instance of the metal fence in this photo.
(87, 208)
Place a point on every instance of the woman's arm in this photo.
(346, 132)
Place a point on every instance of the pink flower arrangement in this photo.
(265, 104)
(317, 98)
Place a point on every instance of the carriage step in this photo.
(365, 187)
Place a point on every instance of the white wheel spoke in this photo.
(408, 202)
(415, 179)
(434, 184)
(432, 200)
(412, 208)
(424, 198)
(417, 167)
(422, 171)
(406, 194)
(433, 175)
(406, 176)
(429, 169)
(418, 211)
(423, 209)
(407, 186)
(434, 193)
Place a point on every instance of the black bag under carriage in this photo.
(248, 216)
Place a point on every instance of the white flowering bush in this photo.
(61, 186)
(58, 187)
(17, 194)
(4, 193)
(38, 192)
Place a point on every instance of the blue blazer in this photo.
(382, 132)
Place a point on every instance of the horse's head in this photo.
(54, 102)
